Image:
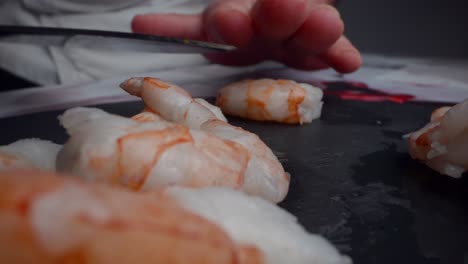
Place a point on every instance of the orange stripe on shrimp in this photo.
(295, 98)
(138, 170)
(257, 108)
(7, 160)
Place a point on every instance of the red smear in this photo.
(325, 84)
(362, 92)
(371, 97)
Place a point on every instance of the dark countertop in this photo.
(12, 82)
(352, 180)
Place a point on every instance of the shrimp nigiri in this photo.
(283, 101)
(443, 142)
(45, 218)
(29, 153)
(264, 171)
(141, 153)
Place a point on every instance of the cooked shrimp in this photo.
(142, 154)
(45, 218)
(148, 155)
(283, 101)
(29, 153)
(265, 175)
(443, 142)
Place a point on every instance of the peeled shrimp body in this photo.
(252, 220)
(264, 176)
(442, 144)
(29, 153)
(50, 219)
(283, 101)
(146, 152)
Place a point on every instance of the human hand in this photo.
(303, 34)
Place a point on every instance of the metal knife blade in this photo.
(106, 40)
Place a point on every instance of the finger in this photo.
(170, 25)
(278, 19)
(322, 27)
(229, 22)
(342, 56)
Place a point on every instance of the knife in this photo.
(106, 40)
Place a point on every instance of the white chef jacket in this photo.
(61, 65)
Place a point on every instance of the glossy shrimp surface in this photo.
(47, 218)
(264, 175)
(283, 101)
(443, 143)
(146, 152)
(29, 153)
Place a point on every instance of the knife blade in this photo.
(106, 40)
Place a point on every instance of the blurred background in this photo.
(414, 28)
(428, 28)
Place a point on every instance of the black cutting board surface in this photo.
(352, 179)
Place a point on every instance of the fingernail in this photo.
(350, 54)
(326, 9)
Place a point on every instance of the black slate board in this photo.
(352, 180)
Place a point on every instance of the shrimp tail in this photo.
(133, 86)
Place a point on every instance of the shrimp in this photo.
(146, 152)
(48, 218)
(283, 101)
(143, 154)
(264, 175)
(442, 143)
(29, 153)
